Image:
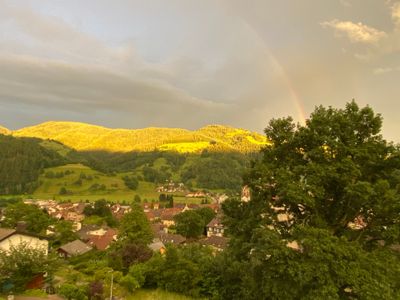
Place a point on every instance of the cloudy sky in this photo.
(188, 63)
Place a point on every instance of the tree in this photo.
(131, 182)
(101, 209)
(36, 220)
(170, 199)
(179, 274)
(64, 232)
(128, 254)
(63, 191)
(314, 184)
(206, 213)
(135, 228)
(137, 199)
(189, 224)
(21, 263)
(162, 197)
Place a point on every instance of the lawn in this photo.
(84, 183)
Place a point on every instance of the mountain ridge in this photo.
(88, 137)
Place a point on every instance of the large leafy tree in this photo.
(189, 224)
(135, 228)
(324, 212)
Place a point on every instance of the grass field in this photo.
(83, 183)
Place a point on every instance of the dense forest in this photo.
(211, 170)
(21, 162)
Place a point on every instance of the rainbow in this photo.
(283, 74)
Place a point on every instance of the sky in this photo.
(189, 63)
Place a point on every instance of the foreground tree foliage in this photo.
(191, 223)
(22, 263)
(135, 228)
(323, 216)
(183, 270)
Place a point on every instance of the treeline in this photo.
(21, 162)
(110, 162)
(209, 170)
(216, 171)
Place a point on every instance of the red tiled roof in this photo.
(169, 213)
(104, 241)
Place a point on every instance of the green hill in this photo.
(77, 182)
(86, 137)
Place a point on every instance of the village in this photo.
(100, 237)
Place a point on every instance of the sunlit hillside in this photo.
(81, 136)
(4, 130)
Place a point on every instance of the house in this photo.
(104, 240)
(169, 238)
(214, 206)
(153, 214)
(215, 227)
(221, 198)
(156, 228)
(84, 232)
(11, 238)
(167, 216)
(157, 246)
(74, 248)
(118, 210)
(217, 243)
(246, 194)
(73, 216)
(197, 194)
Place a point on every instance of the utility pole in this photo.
(111, 287)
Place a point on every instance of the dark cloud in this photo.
(190, 63)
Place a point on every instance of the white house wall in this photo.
(17, 239)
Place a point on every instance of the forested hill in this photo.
(21, 162)
(4, 130)
(86, 137)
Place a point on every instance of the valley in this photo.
(82, 162)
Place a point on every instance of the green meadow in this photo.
(81, 183)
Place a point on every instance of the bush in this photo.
(70, 291)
